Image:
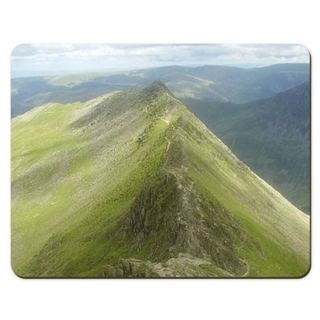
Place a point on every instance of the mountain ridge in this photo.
(210, 83)
(155, 194)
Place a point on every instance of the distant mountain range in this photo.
(210, 83)
(132, 184)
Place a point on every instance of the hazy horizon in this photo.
(28, 60)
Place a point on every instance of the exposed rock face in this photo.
(171, 215)
(154, 212)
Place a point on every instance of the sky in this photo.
(52, 59)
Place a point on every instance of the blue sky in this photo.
(50, 59)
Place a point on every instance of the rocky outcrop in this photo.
(154, 215)
(184, 265)
(171, 217)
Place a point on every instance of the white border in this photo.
(158, 22)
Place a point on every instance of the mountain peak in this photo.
(156, 88)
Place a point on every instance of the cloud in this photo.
(77, 57)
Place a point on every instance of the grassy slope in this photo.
(272, 136)
(274, 220)
(78, 169)
(88, 173)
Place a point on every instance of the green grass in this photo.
(60, 213)
(89, 236)
(44, 188)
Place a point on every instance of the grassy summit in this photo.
(131, 184)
